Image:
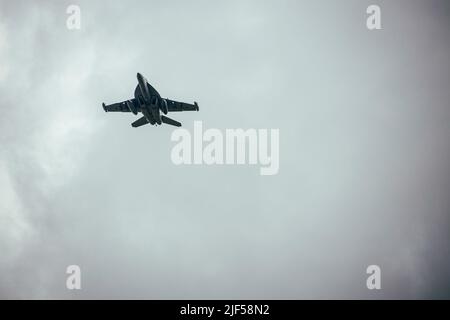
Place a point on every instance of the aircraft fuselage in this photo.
(150, 104)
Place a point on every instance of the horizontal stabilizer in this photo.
(139, 122)
(172, 122)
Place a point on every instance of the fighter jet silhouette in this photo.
(148, 101)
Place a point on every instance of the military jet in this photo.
(148, 101)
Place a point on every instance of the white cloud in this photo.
(4, 47)
(15, 229)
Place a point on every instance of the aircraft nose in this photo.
(140, 77)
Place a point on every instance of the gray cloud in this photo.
(364, 150)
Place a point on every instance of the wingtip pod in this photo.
(104, 107)
(196, 105)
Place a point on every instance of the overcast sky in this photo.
(364, 150)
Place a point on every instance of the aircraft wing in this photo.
(174, 106)
(125, 106)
